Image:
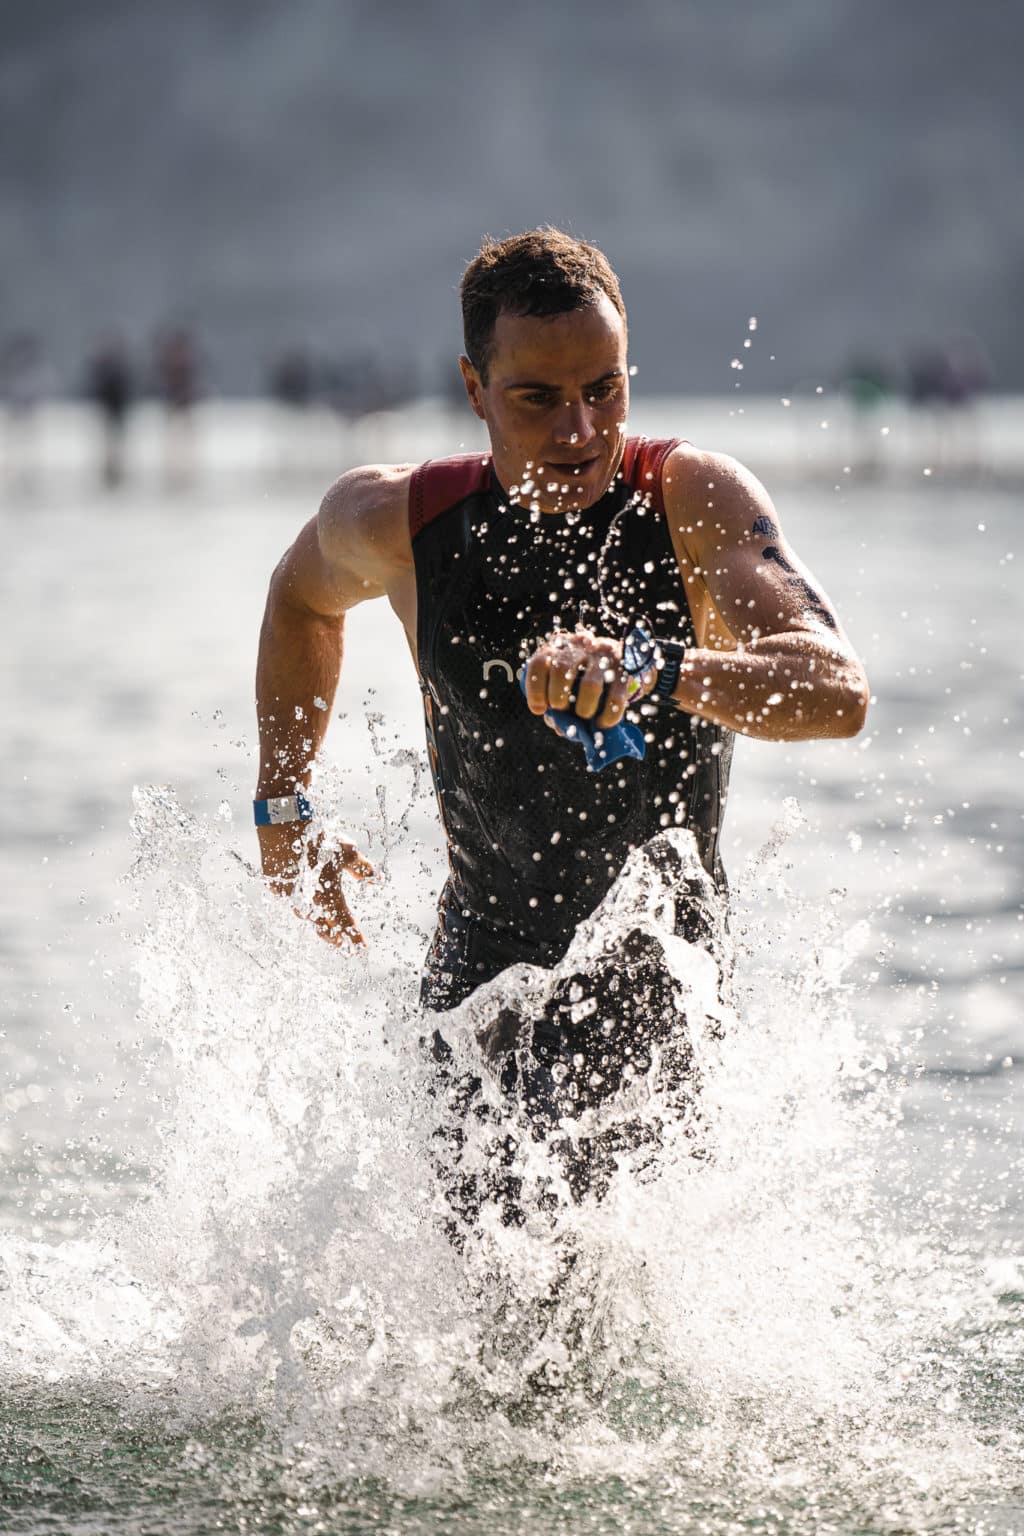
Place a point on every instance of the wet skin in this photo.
(771, 659)
(555, 402)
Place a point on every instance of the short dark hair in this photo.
(542, 272)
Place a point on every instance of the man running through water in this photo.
(546, 555)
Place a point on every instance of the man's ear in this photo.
(474, 386)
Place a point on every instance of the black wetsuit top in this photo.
(535, 840)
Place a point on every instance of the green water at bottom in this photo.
(84, 1463)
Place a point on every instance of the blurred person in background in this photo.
(867, 384)
(111, 388)
(25, 381)
(967, 376)
(944, 384)
(177, 376)
(291, 383)
(291, 379)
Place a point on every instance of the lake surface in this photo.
(226, 1298)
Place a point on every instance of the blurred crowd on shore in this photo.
(940, 384)
(173, 373)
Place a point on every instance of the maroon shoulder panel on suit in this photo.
(442, 483)
(642, 465)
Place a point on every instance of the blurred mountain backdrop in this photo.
(318, 173)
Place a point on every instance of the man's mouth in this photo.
(573, 468)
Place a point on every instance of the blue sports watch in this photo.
(641, 651)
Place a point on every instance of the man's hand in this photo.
(585, 668)
(283, 846)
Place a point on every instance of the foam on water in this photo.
(736, 1326)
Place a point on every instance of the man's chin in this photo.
(566, 491)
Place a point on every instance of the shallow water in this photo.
(225, 1291)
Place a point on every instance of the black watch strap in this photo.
(672, 656)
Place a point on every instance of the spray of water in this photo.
(724, 1314)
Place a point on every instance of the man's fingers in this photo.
(333, 926)
(341, 935)
(580, 673)
(331, 916)
(354, 863)
(614, 706)
(560, 684)
(599, 675)
(333, 919)
(538, 671)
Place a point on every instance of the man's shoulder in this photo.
(369, 489)
(367, 498)
(694, 478)
(686, 461)
(369, 506)
(377, 495)
(439, 484)
(677, 464)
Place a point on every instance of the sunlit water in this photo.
(227, 1299)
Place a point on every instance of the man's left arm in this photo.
(793, 675)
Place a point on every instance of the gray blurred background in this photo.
(306, 182)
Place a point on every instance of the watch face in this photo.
(638, 652)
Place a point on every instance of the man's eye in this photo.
(603, 392)
(537, 398)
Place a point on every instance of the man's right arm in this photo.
(357, 547)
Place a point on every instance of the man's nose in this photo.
(575, 423)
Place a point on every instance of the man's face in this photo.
(555, 404)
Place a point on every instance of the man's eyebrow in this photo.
(614, 373)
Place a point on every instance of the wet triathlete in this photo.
(529, 570)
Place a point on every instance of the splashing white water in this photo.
(735, 1311)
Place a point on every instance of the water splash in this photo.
(735, 1319)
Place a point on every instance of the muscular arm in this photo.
(354, 549)
(792, 674)
(326, 572)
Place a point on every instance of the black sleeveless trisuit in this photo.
(535, 840)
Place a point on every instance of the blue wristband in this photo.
(282, 808)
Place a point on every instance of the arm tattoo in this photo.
(815, 602)
(766, 526)
(776, 557)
